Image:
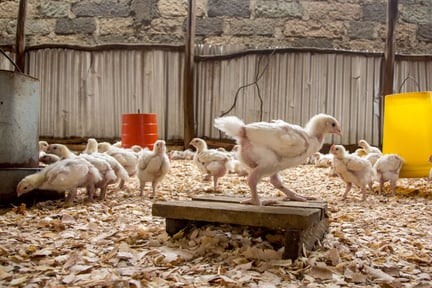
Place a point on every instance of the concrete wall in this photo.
(358, 25)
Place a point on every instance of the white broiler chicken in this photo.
(107, 173)
(210, 162)
(322, 160)
(48, 158)
(270, 147)
(387, 168)
(153, 166)
(237, 166)
(176, 155)
(360, 152)
(368, 148)
(372, 157)
(43, 146)
(352, 169)
(119, 170)
(105, 146)
(91, 147)
(66, 175)
(61, 150)
(126, 158)
(181, 155)
(117, 144)
(137, 148)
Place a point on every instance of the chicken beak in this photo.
(332, 148)
(18, 191)
(339, 132)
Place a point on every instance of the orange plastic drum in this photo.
(139, 129)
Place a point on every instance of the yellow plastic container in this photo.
(408, 131)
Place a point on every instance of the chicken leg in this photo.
(253, 179)
(347, 189)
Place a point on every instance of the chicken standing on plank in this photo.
(153, 166)
(352, 169)
(368, 148)
(387, 168)
(270, 147)
(64, 175)
(210, 162)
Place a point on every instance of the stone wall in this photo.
(358, 25)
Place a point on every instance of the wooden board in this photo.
(322, 205)
(302, 224)
(271, 217)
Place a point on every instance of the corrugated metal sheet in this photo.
(293, 87)
(85, 92)
(413, 74)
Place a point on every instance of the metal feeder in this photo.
(19, 136)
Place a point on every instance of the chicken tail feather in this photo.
(230, 125)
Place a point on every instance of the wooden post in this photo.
(389, 53)
(188, 81)
(387, 68)
(20, 36)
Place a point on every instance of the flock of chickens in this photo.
(263, 149)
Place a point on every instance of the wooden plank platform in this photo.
(301, 223)
(322, 205)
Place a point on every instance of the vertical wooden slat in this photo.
(387, 76)
(389, 53)
(188, 86)
(20, 36)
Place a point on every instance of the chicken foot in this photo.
(253, 179)
(348, 188)
(290, 195)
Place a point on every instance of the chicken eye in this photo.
(333, 124)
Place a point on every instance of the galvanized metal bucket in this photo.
(19, 131)
(19, 118)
